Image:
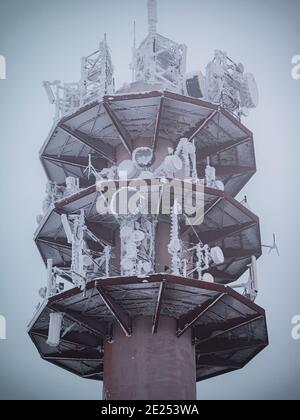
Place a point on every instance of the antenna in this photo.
(67, 228)
(48, 88)
(55, 326)
(50, 279)
(90, 168)
(253, 272)
(251, 286)
(152, 17)
(133, 64)
(273, 247)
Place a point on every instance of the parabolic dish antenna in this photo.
(220, 185)
(127, 201)
(143, 157)
(138, 236)
(177, 163)
(217, 255)
(127, 169)
(208, 278)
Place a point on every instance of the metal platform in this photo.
(227, 224)
(228, 329)
(127, 121)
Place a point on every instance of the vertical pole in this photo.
(50, 285)
(133, 64)
(152, 16)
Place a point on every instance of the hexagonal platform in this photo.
(227, 224)
(120, 123)
(228, 330)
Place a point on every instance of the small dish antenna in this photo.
(138, 236)
(143, 157)
(127, 169)
(217, 255)
(208, 278)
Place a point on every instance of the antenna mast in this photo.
(133, 64)
(152, 17)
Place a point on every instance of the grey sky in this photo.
(44, 40)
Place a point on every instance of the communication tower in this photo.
(142, 300)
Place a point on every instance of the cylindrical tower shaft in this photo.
(150, 366)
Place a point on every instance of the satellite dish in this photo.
(171, 164)
(147, 267)
(128, 264)
(177, 163)
(208, 278)
(217, 255)
(127, 169)
(127, 201)
(241, 67)
(146, 175)
(143, 157)
(43, 292)
(220, 185)
(138, 236)
(249, 92)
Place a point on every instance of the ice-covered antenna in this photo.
(273, 247)
(175, 247)
(152, 16)
(251, 286)
(51, 286)
(133, 62)
(90, 168)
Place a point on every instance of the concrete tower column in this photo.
(150, 367)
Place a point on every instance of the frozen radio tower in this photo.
(132, 283)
